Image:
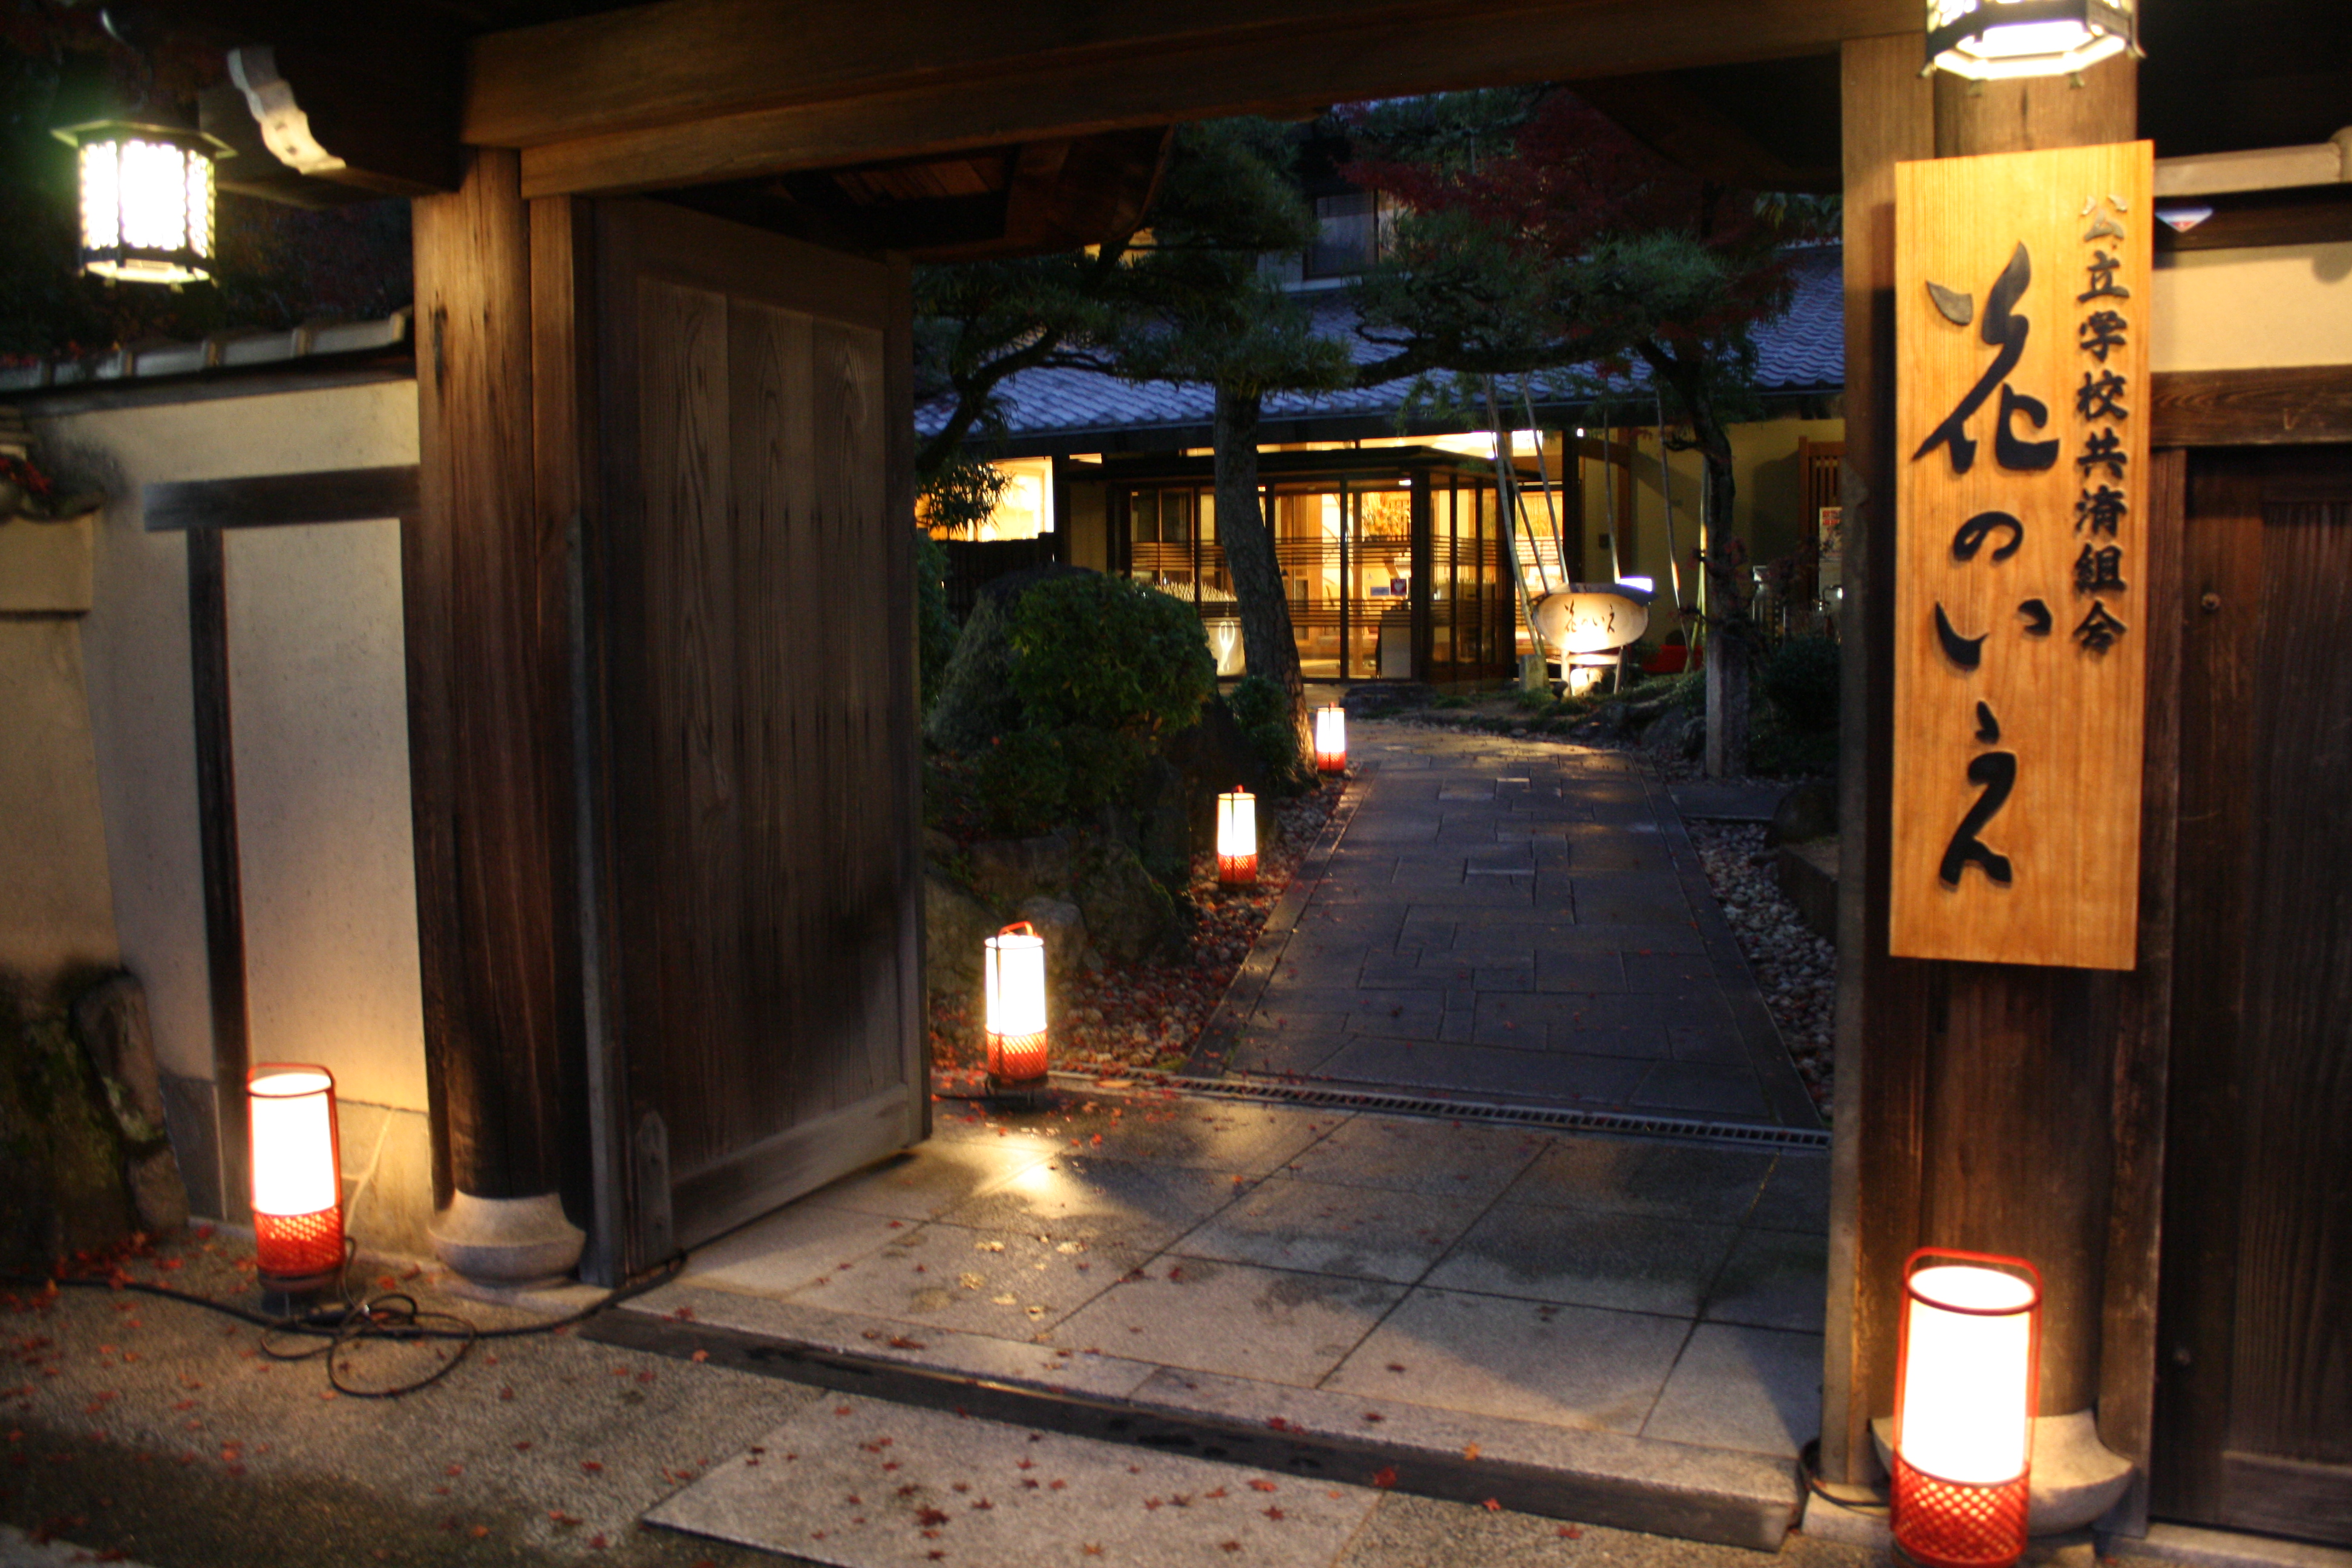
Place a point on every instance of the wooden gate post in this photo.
(1975, 1102)
(486, 590)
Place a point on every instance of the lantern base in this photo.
(1021, 1094)
(1958, 1524)
(299, 1254)
(507, 1241)
(1236, 870)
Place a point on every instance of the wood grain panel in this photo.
(2291, 1382)
(2222, 583)
(760, 716)
(2297, 405)
(2061, 886)
(690, 624)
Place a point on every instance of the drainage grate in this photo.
(1739, 1132)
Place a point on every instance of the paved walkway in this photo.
(1513, 921)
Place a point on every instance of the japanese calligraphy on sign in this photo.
(2021, 320)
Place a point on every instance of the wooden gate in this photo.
(2254, 1346)
(751, 560)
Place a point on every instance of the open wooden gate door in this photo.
(2254, 1329)
(751, 576)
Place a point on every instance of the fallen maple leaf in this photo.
(1471, 1452)
(1260, 1486)
(1570, 1532)
(1385, 1476)
(1492, 1505)
(1273, 1513)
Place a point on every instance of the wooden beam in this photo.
(486, 600)
(1888, 117)
(225, 966)
(272, 500)
(688, 91)
(349, 117)
(2299, 405)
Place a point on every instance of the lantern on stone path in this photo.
(297, 1206)
(1964, 1398)
(1236, 838)
(1330, 739)
(1014, 974)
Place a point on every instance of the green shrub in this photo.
(1263, 712)
(1020, 783)
(1110, 653)
(935, 628)
(1801, 680)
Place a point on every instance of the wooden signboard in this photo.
(2021, 416)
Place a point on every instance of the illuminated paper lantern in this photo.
(1236, 838)
(298, 1206)
(146, 201)
(1989, 39)
(1964, 1400)
(1014, 972)
(1331, 739)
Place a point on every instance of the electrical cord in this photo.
(394, 1316)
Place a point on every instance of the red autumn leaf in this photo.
(1257, 1485)
(1492, 1505)
(698, 1357)
(1273, 1513)
(930, 1517)
(592, 1465)
(1385, 1476)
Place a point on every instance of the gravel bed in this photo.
(1796, 969)
(1147, 1015)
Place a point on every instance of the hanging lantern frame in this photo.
(2109, 28)
(1942, 1521)
(121, 167)
(298, 1247)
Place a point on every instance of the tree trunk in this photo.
(1267, 641)
(1731, 636)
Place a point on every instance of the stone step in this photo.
(1309, 1435)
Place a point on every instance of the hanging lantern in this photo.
(146, 200)
(1331, 739)
(1015, 972)
(1989, 39)
(1236, 839)
(298, 1208)
(1964, 1398)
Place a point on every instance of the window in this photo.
(1355, 229)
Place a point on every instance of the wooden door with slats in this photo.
(2254, 1329)
(760, 823)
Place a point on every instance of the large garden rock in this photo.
(111, 1022)
(1006, 870)
(1163, 821)
(1130, 916)
(1806, 812)
(61, 1176)
(955, 922)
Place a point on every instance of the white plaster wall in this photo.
(319, 691)
(2246, 309)
(135, 650)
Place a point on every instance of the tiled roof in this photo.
(1803, 352)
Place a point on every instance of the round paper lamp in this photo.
(1964, 1400)
(1331, 739)
(1236, 838)
(1987, 39)
(298, 1208)
(1014, 972)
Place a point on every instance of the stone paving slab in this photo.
(864, 1484)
